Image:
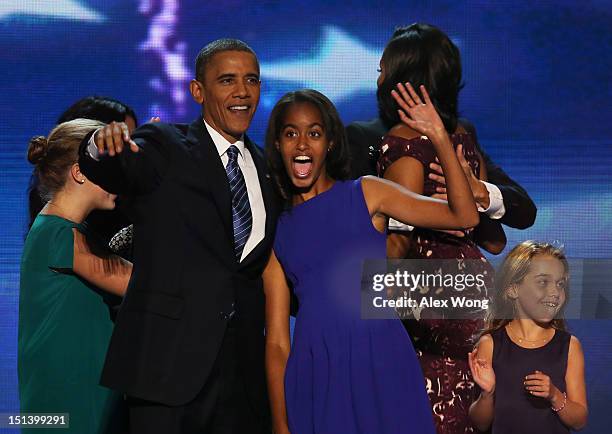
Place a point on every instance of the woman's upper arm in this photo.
(110, 273)
(393, 200)
(484, 348)
(574, 377)
(61, 249)
(277, 302)
(407, 172)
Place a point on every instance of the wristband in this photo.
(557, 410)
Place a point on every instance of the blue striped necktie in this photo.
(241, 208)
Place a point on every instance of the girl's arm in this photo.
(407, 172)
(481, 365)
(388, 198)
(111, 273)
(575, 413)
(489, 234)
(277, 340)
(573, 409)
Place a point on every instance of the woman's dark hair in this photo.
(100, 108)
(422, 55)
(337, 163)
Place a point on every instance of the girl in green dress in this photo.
(64, 323)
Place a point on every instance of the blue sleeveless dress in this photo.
(345, 374)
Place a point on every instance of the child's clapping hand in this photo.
(482, 371)
(539, 384)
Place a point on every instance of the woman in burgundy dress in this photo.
(425, 55)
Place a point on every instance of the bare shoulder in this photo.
(485, 346)
(374, 190)
(404, 131)
(575, 347)
(486, 339)
(370, 184)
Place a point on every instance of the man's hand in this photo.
(480, 192)
(113, 137)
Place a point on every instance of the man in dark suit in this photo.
(188, 345)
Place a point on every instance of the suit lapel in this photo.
(206, 156)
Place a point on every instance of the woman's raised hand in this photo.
(418, 115)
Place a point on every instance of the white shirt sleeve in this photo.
(92, 149)
(395, 225)
(496, 209)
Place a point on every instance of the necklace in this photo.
(529, 342)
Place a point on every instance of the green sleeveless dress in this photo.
(64, 330)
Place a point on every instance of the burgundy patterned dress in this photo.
(442, 344)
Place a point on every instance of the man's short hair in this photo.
(220, 45)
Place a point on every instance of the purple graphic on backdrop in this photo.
(169, 87)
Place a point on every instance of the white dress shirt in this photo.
(249, 171)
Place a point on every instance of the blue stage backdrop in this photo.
(537, 87)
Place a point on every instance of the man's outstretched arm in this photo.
(124, 164)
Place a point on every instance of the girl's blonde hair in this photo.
(53, 156)
(512, 272)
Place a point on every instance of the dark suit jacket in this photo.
(364, 140)
(186, 282)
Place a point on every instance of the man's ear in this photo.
(197, 91)
(75, 173)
